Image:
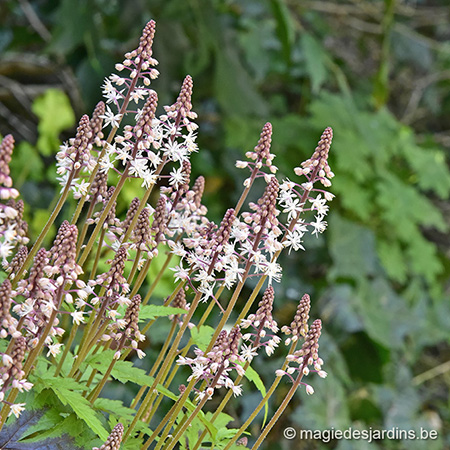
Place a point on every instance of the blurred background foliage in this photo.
(378, 72)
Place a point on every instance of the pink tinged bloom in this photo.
(77, 317)
(248, 352)
(273, 271)
(54, 349)
(177, 177)
(309, 389)
(180, 273)
(237, 390)
(319, 225)
(17, 409)
(110, 118)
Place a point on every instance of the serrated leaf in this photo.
(202, 337)
(11, 434)
(81, 407)
(115, 407)
(124, 371)
(151, 312)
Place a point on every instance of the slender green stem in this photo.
(97, 254)
(83, 232)
(96, 392)
(164, 366)
(261, 404)
(45, 230)
(278, 412)
(135, 266)
(157, 362)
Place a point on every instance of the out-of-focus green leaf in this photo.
(315, 58)
(40, 217)
(393, 259)
(74, 20)
(364, 357)
(387, 317)
(352, 248)
(55, 114)
(285, 26)
(26, 164)
(325, 409)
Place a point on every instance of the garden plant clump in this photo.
(79, 315)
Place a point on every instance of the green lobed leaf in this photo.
(55, 115)
(254, 377)
(115, 408)
(202, 337)
(352, 248)
(151, 312)
(79, 404)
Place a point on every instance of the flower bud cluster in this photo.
(99, 187)
(299, 326)
(132, 149)
(97, 124)
(307, 356)
(126, 330)
(13, 229)
(51, 277)
(261, 156)
(180, 302)
(75, 157)
(215, 366)
(63, 253)
(11, 373)
(260, 322)
(296, 199)
(140, 67)
(142, 231)
(114, 439)
(17, 261)
(38, 292)
(6, 150)
(7, 322)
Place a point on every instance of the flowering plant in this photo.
(74, 317)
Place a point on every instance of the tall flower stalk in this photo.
(74, 317)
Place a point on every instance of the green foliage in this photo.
(201, 337)
(151, 312)
(67, 394)
(55, 115)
